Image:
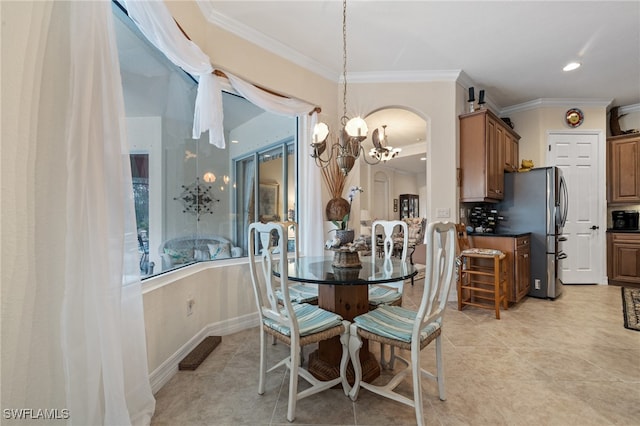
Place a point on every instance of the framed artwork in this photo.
(268, 207)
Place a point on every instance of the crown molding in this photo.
(402, 76)
(629, 108)
(247, 33)
(551, 102)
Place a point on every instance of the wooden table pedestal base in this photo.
(322, 370)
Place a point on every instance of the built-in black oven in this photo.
(625, 220)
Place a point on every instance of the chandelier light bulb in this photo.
(356, 127)
(209, 177)
(320, 132)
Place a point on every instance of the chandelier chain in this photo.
(344, 59)
(348, 146)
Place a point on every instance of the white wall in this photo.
(224, 304)
(533, 124)
(437, 103)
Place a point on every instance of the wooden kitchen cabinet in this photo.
(518, 251)
(522, 273)
(511, 153)
(486, 151)
(623, 169)
(623, 260)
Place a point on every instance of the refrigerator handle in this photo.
(564, 201)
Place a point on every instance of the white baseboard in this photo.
(161, 375)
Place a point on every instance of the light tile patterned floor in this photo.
(563, 362)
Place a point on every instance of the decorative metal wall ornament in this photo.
(197, 198)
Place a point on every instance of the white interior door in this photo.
(380, 197)
(577, 154)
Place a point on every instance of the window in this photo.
(194, 201)
(276, 191)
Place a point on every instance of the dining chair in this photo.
(388, 293)
(482, 281)
(298, 292)
(411, 330)
(295, 324)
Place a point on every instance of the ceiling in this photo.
(514, 50)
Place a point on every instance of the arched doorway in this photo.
(407, 172)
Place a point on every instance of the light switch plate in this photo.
(443, 212)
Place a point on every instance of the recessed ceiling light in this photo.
(234, 141)
(423, 158)
(571, 66)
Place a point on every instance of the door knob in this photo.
(594, 227)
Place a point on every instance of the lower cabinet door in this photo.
(624, 258)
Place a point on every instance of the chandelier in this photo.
(381, 151)
(348, 147)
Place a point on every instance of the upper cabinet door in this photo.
(623, 164)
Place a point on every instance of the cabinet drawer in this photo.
(625, 237)
(522, 242)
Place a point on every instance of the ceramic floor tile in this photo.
(566, 361)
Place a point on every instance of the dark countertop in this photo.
(624, 231)
(499, 234)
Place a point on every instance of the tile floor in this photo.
(563, 362)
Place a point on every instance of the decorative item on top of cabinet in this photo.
(488, 147)
(623, 169)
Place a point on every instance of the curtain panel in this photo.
(156, 23)
(103, 337)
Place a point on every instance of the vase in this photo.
(347, 265)
(337, 208)
(345, 236)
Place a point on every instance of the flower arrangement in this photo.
(344, 223)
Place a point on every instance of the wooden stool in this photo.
(482, 280)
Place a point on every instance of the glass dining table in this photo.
(344, 291)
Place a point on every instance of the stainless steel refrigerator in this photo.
(537, 201)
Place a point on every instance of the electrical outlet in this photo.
(190, 303)
(536, 284)
(443, 212)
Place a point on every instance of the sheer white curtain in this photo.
(72, 335)
(157, 24)
(311, 217)
(103, 338)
